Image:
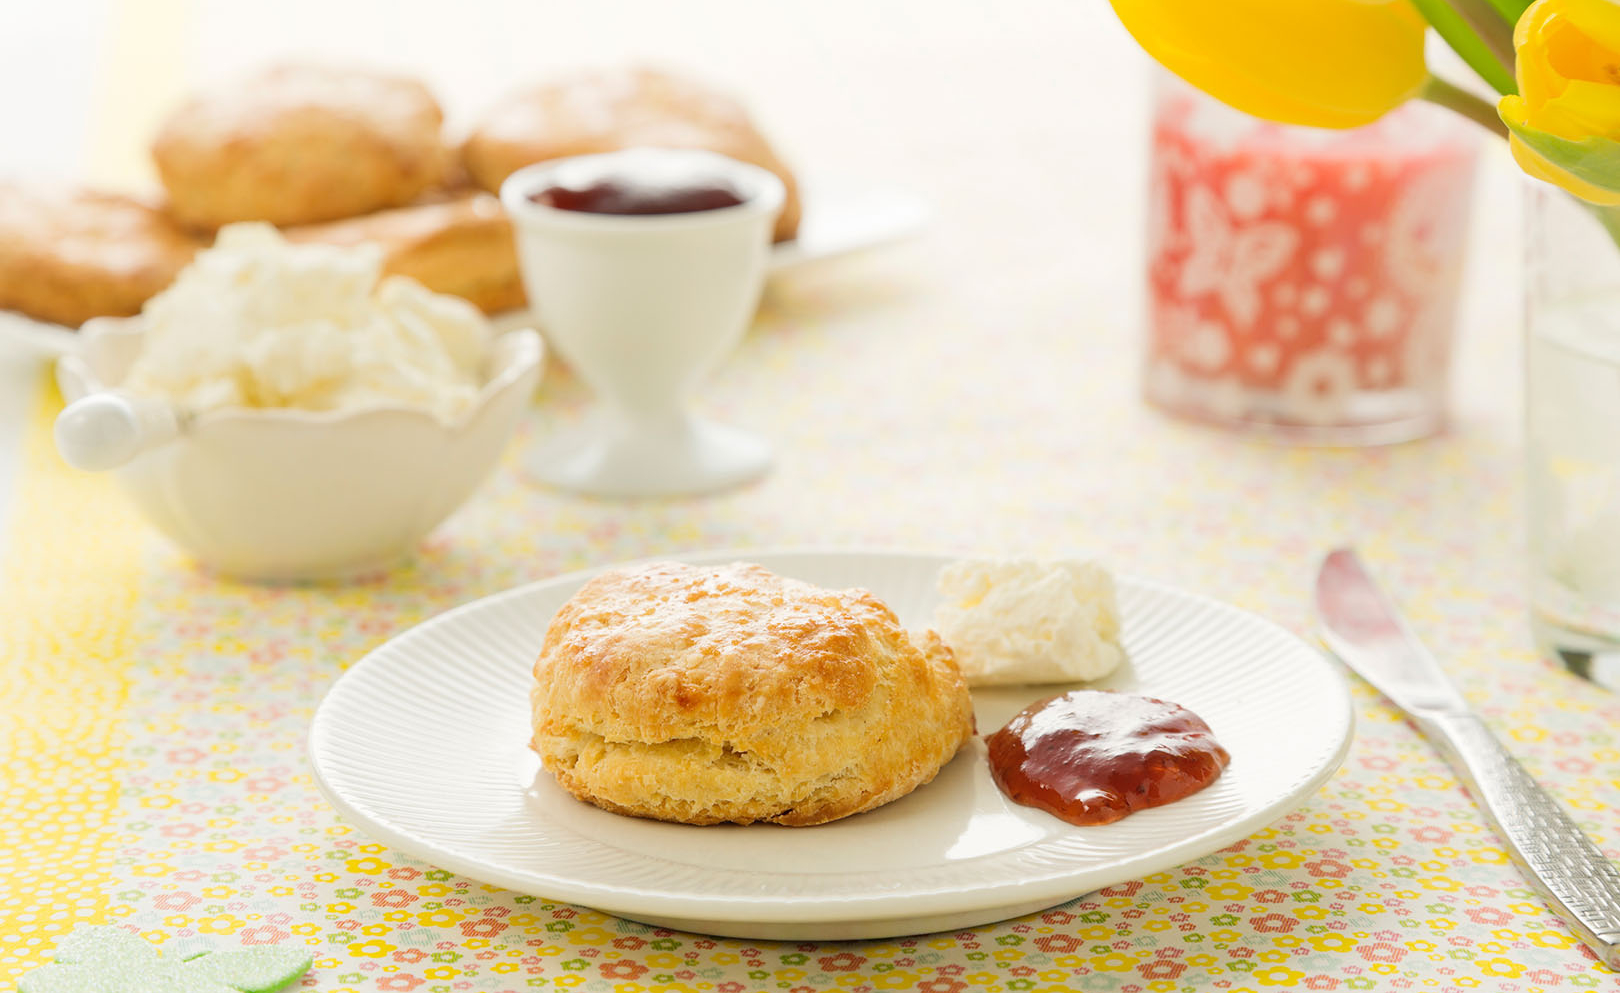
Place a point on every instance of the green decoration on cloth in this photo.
(110, 960)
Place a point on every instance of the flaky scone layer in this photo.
(707, 694)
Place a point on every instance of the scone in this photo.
(70, 255)
(604, 111)
(707, 694)
(300, 144)
(461, 246)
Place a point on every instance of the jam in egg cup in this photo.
(643, 268)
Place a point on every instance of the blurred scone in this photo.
(70, 255)
(462, 246)
(299, 144)
(728, 693)
(604, 111)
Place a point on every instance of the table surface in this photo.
(973, 391)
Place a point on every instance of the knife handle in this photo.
(1563, 865)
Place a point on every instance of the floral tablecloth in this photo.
(155, 717)
(974, 392)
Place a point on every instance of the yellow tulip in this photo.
(1325, 63)
(1565, 119)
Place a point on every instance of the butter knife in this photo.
(1362, 627)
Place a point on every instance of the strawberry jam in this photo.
(626, 194)
(1093, 757)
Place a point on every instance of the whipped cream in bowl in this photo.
(257, 323)
(286, 413)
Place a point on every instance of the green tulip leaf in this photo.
(110, 960)
(1510, 9)
(1594, 159)
(1484, 42)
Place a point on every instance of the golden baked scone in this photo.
(70, 255)
(299, 144)
(707, 694)
(606, 110)
(461, 245)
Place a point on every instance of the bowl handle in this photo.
(106, 430)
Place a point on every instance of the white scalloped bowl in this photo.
(289, 495)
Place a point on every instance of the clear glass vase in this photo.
(1572, 431)
(1302, 283)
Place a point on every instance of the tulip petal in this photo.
(1298, 63)
(1588, 168)
(1582, 109)
(1598, 19)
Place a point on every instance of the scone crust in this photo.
(707, 694)
(300, 144)
(461, 245)
(69, 255)
(607, 110)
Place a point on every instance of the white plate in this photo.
(841, 219)
(423, 743)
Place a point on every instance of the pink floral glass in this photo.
(1302, 284)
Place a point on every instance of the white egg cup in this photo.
(643, 307)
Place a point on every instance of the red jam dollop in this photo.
(1093, 756)
(686, 193)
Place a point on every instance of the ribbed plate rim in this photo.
(1337, 724)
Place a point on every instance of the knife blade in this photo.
(1362, 627)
